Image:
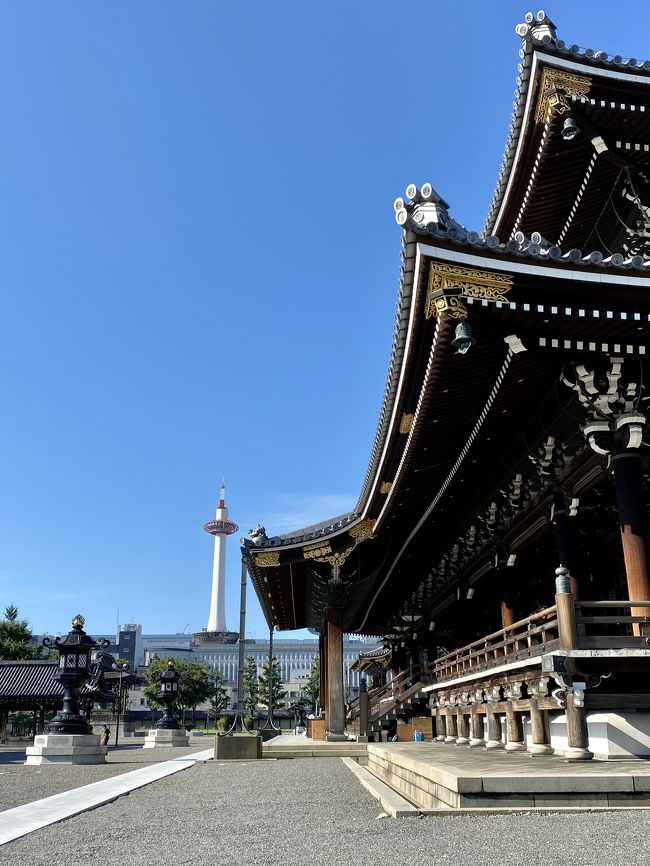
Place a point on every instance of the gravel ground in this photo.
(315, 812)
(20, 784)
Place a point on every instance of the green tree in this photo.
(219, 697)
(312, 686)
(16, 637)
(194, 686)
(271, 674)
(249, 697)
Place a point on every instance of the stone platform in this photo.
(166, 738)
(290, 746)
(436, 776)
(65, 749)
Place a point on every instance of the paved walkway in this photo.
(21, 820)
(20, 784)
(314, 811)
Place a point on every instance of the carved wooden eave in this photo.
(470, 447)
(453, 405)
(609, 97)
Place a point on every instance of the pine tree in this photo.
(273, 674)
(312, 688)
(16, 637)
(219, 699)
(249, 697)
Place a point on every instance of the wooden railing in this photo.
(385, 698)
(532, 636)
(583, 625)
(612, 624)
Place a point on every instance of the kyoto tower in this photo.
(221, 528)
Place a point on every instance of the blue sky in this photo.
(199, 268)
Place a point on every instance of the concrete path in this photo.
(17, 822)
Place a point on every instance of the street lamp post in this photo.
(268, 725)
(119, 707)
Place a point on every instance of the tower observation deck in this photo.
(221, 527)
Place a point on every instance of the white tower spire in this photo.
(221, 528)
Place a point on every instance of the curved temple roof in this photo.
(549, 283)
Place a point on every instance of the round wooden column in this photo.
(463, 727)
(504, 578)
(566, 536)
(633, 519)
(514, 731)
(441, 726)
(576, 728)
(335, 691)
(477, 736)
(322, 655)
(495, 738)
(452, 726)
(541, 738)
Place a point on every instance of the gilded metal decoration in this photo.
(386, 487)
(358, 533)
(362, 530)
(314, 551)
(555, 90)
(338, 559)
(267, 560)
(449, 283)
(406, 423)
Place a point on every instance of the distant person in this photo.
(106, 735)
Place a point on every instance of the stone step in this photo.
(438, 777)
(343, 752)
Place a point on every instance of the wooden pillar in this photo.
(463, 727)
(363, 709)
(576, 727)
(514, 731)
(566, 536)
(633, 519)
(322, 650)
(452, 726)
(566, 612)
(540, 732)
(508, 614)
(4, 718)
(495, 739)
(335, 691)
(477, 736)
(441, 726)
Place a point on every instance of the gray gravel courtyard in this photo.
(20, 784)
(313, 811)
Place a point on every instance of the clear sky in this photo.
(199, 264)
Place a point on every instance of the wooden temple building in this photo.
(499, 546)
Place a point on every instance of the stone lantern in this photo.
(167, 731)
(68, 738)
(168, 682)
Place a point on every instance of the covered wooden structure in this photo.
(504, 509)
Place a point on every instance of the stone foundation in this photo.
(166, 738)
(66, 749)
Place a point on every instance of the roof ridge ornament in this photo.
(423, 209)
(539, 26)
